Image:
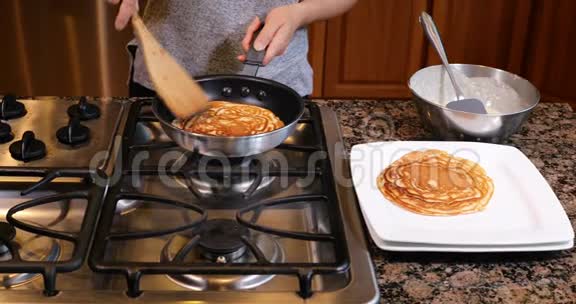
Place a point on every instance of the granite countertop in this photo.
(549, 140)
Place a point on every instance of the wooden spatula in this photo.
(181, 94)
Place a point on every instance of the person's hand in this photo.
(280, 26)
(127, 9)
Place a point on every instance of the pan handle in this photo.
(254, 58)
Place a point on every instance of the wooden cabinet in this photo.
(316, 54)
(372, 50)
(11, 75)
(62, 47)
(487, 32)
(550, 61)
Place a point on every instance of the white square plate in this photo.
(523, 210)
(416, 247)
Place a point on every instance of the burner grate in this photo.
(81, 240)
(151, 198)
(322, 237)
(304, 271)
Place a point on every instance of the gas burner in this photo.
(5, 133)
(74, 133)
(221, 240)
(28, 148)
(269, 246)
(219, 187)
(284, 241)
(11, 108)
(84, 110)
(125, 206)
(225, 186)
(34, 248)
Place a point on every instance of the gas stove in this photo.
(157, 223)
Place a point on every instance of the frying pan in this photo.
(244, 88)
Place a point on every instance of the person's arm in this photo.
(127, 9)
(282, 22)
(316, 10)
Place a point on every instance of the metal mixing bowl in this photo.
(456, 125)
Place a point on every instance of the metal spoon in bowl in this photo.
(471, 105)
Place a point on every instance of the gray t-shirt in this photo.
(205, 37)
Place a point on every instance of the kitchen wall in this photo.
(69, 47)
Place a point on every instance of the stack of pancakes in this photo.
(232, 119)
(433, 182)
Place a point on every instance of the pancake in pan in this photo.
(232, 119)
(433, 182)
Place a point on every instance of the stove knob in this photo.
(7, 232)
(5, 133)
(74, 133)
(84, 110)
(11, 108)
(28, 148)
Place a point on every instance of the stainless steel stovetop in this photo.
(168, 219)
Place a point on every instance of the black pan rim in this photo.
(158, 100)
(247, 77)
